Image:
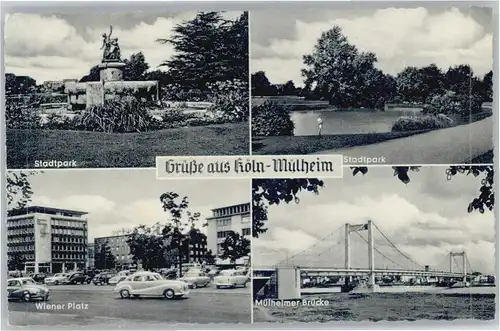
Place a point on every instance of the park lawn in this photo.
(105, 150)
(303, 145)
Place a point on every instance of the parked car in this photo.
(231, 278)
(196, 278)
(145, 283)
(102, 278)
(26, 289)
(39, 278)
(60, 278)
(77, 278)
(116, 279)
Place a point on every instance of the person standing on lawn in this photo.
(320, 124)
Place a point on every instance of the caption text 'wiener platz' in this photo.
(303, 166)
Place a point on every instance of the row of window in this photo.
(74, 232)
(30, 230)
(68, 248)
(21, 248)
(240, 209)
(21, 222)
(68, 240)
(222, 234)
(223, 222)
(18, 240)
(28, 256)
(73, 224)
(67, 256)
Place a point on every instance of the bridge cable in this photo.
(375, 249)
(321, 240)
(393, 245)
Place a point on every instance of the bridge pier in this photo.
(289, 283)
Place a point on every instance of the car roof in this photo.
(20, 278)
(143, 273)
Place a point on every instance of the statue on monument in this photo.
(110, 47)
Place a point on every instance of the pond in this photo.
(345, 122)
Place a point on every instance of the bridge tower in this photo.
(463, 255)
(371, 248)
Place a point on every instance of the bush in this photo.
(231, 101)
(176, 92)
(271, 119)
(452, 103)
(60, 122)
(419, 123)
(117, 116)
(22, 114)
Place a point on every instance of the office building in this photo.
(90, 256)
(119, 248)
(47, 239)
(223, 220)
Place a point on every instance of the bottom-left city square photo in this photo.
(119, 248)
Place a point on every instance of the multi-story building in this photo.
(223, 220)
(90, 256)
(47, 239)
(53, 85)
(119, 248)
(196, 244)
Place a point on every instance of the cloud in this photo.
(399, 37)
(60, 52)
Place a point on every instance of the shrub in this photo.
(118, 116)
(271, 119)
(60, 122)
(230, 100)
(418, 123)
(22, 114)
(452, 103)
(176, 92)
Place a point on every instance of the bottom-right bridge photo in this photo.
(379, 244)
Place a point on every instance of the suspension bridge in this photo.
(332, 258)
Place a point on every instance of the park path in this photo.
(453, 145)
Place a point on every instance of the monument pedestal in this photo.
(111, 71)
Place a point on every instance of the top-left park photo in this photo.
(115, 90)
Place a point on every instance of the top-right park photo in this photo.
(394, 86)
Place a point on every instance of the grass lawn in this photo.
(104, 150)
(302, 145)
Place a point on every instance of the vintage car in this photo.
(102, 278)
(26, 289)
(61, 278)
(196, 278)
(231, 278)
(150, 284)
(116, 279)
(77, 278)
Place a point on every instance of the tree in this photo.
(261, 85)
(92, 76)
(16, 261)
(287, 89)
(104, 258)
(275, 191)
(147, 246)
(173, 232)
(487, 87)
(19, 84)
(337, 69)
(19, 190)
(209, 257)
(409, 84)
(234, 247)
(135, 67)
(208, 49)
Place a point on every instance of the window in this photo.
(137, 279)
(246, 231)
(245, 219)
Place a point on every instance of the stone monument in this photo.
(112, 84)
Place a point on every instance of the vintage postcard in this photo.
(118, 89)
(381, 244)
(379, 85)
(119, 248)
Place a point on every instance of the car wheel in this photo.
(169, 294)
(56, 282)
(194, 286)
(125, 294)
(27, 296)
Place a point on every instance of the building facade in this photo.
(90, 256)
(223, 220)
(119, 248)
(196, 244)
(47, 239)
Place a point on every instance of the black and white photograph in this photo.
(105, 90)
(396, 86)
(118, 248)
(380, 244)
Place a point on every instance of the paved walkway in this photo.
(446, 146)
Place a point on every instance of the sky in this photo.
(59, 46)
(399, 37)
(123, 199)
(425, 219)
